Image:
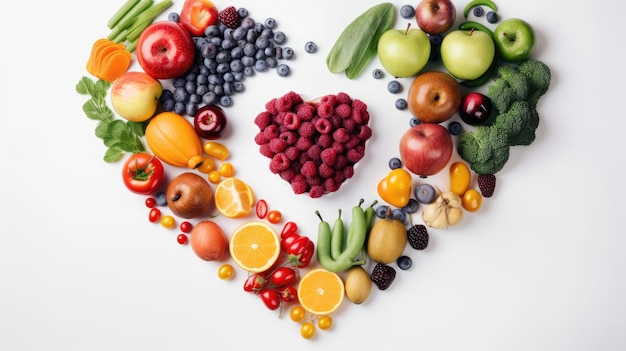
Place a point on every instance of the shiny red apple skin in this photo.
(209, 122)
(425, 149)
(475, 108)
(435, 16)
(165, 50)
(434, 96)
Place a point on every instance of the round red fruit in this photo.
(209, 122)
(142, 173)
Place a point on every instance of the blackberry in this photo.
(383, 275)
(418, 236)
(486, 184)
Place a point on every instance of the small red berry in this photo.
(182, 239)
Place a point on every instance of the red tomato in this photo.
(154, 215)
(143, 173)
(289, 228)
(283, 276)
(289, 294)
(196, 15)
(270, 298)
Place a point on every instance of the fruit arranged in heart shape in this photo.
(313, 145)
(395, 188)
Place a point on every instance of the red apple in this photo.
(434, 96)
(189, 195)
(135, 96)
(209, 122)
(426, 148)
(165, 50)
(475, 108)
(435, 16)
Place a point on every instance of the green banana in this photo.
(490, 4)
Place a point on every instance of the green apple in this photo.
(514, 39)
(403, 53)
(135, 95)
(467, 54)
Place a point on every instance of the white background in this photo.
(540, 267)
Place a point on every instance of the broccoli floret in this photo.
(518, 123)
(486, 150)
(539, 76)
(510, 85)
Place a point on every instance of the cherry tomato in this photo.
(254, 283)
(196, 15)
(214, 177)
(289, 228)
(270, 298)
(460, 177)
(142, 173)
(226, 169)
(297, 313)
(289, 294)
(215, 150)
(226, 271)
(185, 227)
(274, 216)
(207, 166)
(154, 215)
(307, 330)
(168, 222)
(182, 239)
(150, 202)
(261, 209)
(283, 276)
(472, 200)
(325, 322)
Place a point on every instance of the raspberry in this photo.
(329, 99)
(341, 135)
(348, 124)
(325, 140)
(263, 119)
(305, 111)
(288, 137)
(288, 174)
(229, 17)
(335, 121)
(325, 171)
(279, 162)
(354, 155)
(343, 111)
(303, 143)
(260, 138)
(342, 161)
(358, 105)
(383, 275)
(283, 104)
(314, 180)
(306, 129)
(329, 156)
(323, 125)
(338, 147)
(309, 169)
(339, 178)
(292, 153)
(271, 132)
(418, 236)
(325, 110)
(344, 98)
(365, 133)
(299, 186)
(277, 145)
(270, 106)
(294, 97)
(314, 152)
(331, 185)
(265, 150)
(291, 121)
(353, 142)
(348, 171)
(486, 184)
(316, 191)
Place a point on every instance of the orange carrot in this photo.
(115, 64)
(108, 59)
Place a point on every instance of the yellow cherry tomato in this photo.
(325, 322)
(214, 176)
(227, 170)
(207, 166)
(472, 199)
(215, 150)
(226, 271)
(460, 178)
(168, 222)
(307, 330)
(297, 313)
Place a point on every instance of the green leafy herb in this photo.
(357, 44)
(117, 135)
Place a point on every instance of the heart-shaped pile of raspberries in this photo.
(313, 145)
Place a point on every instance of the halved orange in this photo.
(234, 198)
(254, 246)
(320, 291)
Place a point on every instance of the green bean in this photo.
(356, 233)
(121, 12)
(323, 249)
(336, 241)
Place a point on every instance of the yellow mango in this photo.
(174, 140)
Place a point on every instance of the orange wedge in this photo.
(254, 246)
(320, 291)
(234, 198)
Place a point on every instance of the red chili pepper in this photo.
(301, 251)
(289, 228)
(288, 240)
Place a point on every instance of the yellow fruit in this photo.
(320, 291)
(174, 140)
(254, 246)
(234, 198)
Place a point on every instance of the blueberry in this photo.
(411, 206)
(310, 47)
(168, 105)
(425, 193)
(283, 70)
(242, 12)
(414, 121)
(191, 109)
(247, 23)
(240, 33)
(270, 23)
(399, 215)
(272, 62)
(173, 16)
(180, 108)
(212, 31)
(394, 87)
(209, 98)
(455, 128)
(478, 11)
(435, 54)
(226, 101)
(435, 39)
(279, 37)
(180, 94)
(260, 66)
(404, 262)
(394, 163)
(401, 104)
(262, 42)
(381, 211)
(407, 11)
(161, 199)
(492, 17)
(378, 73)
(288, 53)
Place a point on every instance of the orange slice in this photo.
(320, 291)
(254, 246)
(234, 198)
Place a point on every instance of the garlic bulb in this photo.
(445, 211)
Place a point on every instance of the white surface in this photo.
(540, 267)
